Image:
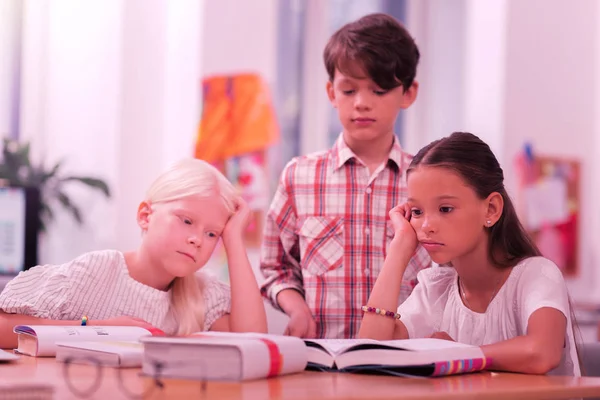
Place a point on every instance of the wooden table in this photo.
(306, 385)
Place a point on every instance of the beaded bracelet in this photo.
(84, 320)
(381, 311)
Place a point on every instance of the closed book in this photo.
(41, 340)
(120, 354)
(223, 356)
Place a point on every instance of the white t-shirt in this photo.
(435, 306)
(98, 285)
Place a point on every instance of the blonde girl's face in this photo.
(182, 234)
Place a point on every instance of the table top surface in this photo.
(127, 383)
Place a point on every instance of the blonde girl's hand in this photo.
(404, 233)
(238, 222)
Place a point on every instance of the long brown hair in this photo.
(475, 162)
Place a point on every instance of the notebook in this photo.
(409, 357)
(41, 340)
(223, 356)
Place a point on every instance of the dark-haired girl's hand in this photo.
(442, 335)
(404, 234)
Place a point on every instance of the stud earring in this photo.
(488, 222)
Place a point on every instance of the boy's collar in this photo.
(341, 153)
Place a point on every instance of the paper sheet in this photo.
(546, 202)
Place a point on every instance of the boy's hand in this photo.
(301, 324)
(238, 222)
(404, 233)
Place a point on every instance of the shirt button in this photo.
(367, 272)
(369, 190)
(367, 231)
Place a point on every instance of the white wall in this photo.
(70, 110)
(160, 100)
(485, 71)
(511, 73)
(460, 90)
(551, 100)
(111, 88)
(10, 37)
(438, 29)
(242, 37)
(114, 89)
(594, 181)
(314, 124)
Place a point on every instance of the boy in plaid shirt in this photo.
(327, 229)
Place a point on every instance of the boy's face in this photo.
(182, 234)
(366, 111)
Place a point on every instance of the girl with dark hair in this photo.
(493, 288)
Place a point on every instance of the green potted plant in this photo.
(17, 170)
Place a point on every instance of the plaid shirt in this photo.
(327, 233)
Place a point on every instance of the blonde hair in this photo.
(190, 177)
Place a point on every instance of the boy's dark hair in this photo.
(470, 157)
(377, 44)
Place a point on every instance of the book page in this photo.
(337, 346)
(425, 344)
(117, 347)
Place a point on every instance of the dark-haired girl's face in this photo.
(446, 213)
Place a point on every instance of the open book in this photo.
(223, 356)
(409, 357)
(42, 340)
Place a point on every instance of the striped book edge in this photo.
(455, 367)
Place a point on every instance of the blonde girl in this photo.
(186, 211)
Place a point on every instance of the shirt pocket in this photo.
(321, 242)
